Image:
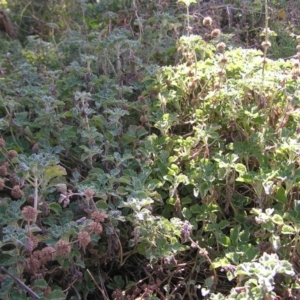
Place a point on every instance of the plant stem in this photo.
(36, 196)
(20, 283)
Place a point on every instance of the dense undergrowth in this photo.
(145, 155)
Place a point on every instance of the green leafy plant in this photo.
(135, 133)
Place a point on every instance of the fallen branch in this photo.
(20, 283)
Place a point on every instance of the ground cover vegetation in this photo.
(149, 149)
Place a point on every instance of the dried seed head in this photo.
(155, 91)
(62, 248)
(29, 212)
(207, 36)
(191, 85)
(298, 47)
(223, 60)
(207, 21)
(32, 265)
(189, 63)
(221, 47)
(215, 33)
(2, 143)
(8, 116)
(16, 192)
(12, 153)
(6, 163)
(30, 199)
(295, 75)
(143, 119)
(98, 216)
(168, 82)
(145, 107)
(296, 64)
(35, 148)
(96, 228)
(38, 255)
(35, 241)
(125, 106)
(217, 86)
(196, 81)
(29, 245)
(221, 73)
(89, 194)
(13, 179)
(191, 73)
(84, 239)
(47, 254)
(141, 99)
(298, 38)
(266, 45)
(194, 101)
(2, 184)
(164, 4)
(3, 170)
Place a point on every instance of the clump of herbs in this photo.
(129, 138)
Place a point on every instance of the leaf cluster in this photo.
(129, 139)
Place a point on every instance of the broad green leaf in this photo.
(55, 207)
(40, 283)
(56, 295)
(277, 219)
(220, 262)
(224, 240)
(6, 259)
(240, 168)
(234, 235)
(187, 2)
(297, 205)
(124, 179)
(223, 224)
(287, 229)
(186, 213)
(280, 195)
(54, 171)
